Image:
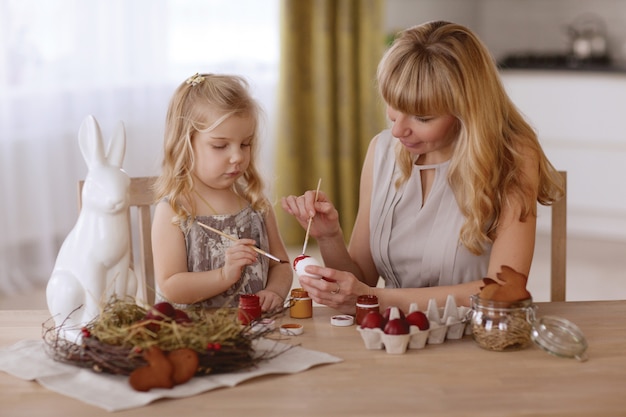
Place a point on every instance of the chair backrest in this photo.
(558, 255)
(140, 207)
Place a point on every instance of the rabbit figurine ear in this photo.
(117, 146)
(92, 147)
(90, 142)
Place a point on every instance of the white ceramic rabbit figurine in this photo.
(94, 260)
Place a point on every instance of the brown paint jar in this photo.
(301, 305)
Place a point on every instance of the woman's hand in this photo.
(236, 257)
(325, 216)
(337, 289)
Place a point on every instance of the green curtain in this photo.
(329, 107)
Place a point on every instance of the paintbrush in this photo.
(234, 239)
(308, 227)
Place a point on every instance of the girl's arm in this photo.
(280, 275)
(175, 282)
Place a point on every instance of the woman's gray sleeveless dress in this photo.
(415, 244)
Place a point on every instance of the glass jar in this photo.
(502, 326)
(559, 337)
(301, 305)
(249, 308)
(365, 304)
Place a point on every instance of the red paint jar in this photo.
(249, 308)
(365, 304)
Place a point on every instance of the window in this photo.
(117, 60)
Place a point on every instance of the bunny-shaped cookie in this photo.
(94, 260)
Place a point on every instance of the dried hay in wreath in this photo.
(114, 341)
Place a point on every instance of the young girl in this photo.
(209, 176)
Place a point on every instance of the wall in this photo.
(515, 25)
(540, 25)
(401, 14)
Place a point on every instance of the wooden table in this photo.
(456, 378)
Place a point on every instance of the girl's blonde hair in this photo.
(441, 68)
(189, 111)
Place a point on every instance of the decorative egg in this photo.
(300, 264)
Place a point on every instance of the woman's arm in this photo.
(340, 289)
(325, 227)
(514, 240)
(360, 247)
(280, 275)
(175, 282)
(513, 246)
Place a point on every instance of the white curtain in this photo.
(116, 60)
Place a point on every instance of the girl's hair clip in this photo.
(195, 79)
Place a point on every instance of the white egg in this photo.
(301, 265)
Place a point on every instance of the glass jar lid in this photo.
(559, 337)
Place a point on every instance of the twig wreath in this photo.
(116, 341)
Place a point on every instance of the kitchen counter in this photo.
(578, 117)
(559, 62)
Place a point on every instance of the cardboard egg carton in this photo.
(447, 323)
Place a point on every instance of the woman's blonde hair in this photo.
(441, 68)
(193, 103)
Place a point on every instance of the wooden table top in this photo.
(456, 378)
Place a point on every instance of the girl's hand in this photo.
(237, 257)
(337, 289)
(270, 300)
(325, 216)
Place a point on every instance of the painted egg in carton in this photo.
(445, 323)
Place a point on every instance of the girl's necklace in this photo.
(205, 202)
(210, 206)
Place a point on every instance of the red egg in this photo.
(397, 326)
(181, 317)
(396, 323)
(419, 319)
(160, 311)
(373, 320)
(387, 312)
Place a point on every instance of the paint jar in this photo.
(301, 305)
(365, 304)
(249, 308)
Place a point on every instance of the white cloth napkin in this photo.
(28, 360)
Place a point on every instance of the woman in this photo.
(448, 194)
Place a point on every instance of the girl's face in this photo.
(223, 154)
(430, 137)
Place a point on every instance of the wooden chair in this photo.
(558, 250)
(141, 201)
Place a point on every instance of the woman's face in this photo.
(430, 137)
(223, 154)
